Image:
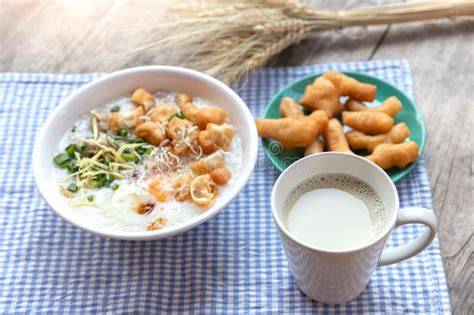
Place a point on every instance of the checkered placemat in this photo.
(231, 264)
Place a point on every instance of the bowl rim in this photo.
(418, 116)
(47, 194)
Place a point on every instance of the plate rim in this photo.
(418, 116)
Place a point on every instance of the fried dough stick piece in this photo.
(182, 98)
(289, 108)
(322, 94)
(388, 155)
(391, 106)
(130, 120)
(353, 105)
(348, 86)
(370, 122)
(358, 140)
(152, 132)
(316, 147)
(293, 132)
(334, 137)
(143, 98)
(202, 116)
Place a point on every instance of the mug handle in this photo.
(409, 216)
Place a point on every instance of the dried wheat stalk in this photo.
(229, 38)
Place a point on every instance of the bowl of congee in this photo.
(145, 153)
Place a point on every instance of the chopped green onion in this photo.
(61, 159)
(122, 133)
(114, 186)
(71, 149)
(102, 181)
(115, 109)
(92, 183)
(72, 187)
(71, 166)
(73, 129)
(148, 150)
(179, 115)
(138, 140)
(90, 198)
(82, 147)
(141, 150)
(129, 156)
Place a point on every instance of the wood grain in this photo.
(92, 36)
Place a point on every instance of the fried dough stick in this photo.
(353, 105)
(323, 95)
(388, 155)
(316, 146)
(370, 122)
(334, 137)
(293, 132)
(348, 86)
(358, 140)
(391, 106)
(289, 108)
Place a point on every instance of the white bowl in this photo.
(122, 83)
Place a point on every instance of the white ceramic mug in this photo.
(337, 276)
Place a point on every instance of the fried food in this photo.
(353, 105)
(215, 137)
(202, 116)
(316, 147)
(387, 155)
(182, 98)
(220, 176)
(289, 108)
(182, 134)
(391, 106)
(373, 128)
(182, 187)
(115, 122)
(293, 132)
(358, 140)
(203, 190)
(119, 121)
(162, 113)
(209, 163)
(152, 132)
(323, 95)
(143, 98)
(371, 122)
(334, 137)
(156, 224)
(350, 87)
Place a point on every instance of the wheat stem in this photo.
(229, 38)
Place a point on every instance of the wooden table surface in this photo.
(94, 36)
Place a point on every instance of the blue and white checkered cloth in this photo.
(231, 264)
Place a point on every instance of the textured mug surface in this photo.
(337, 276)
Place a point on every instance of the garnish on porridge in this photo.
(148, 161)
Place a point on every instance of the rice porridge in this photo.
(147, 162)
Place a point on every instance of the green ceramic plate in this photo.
(410, 115)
